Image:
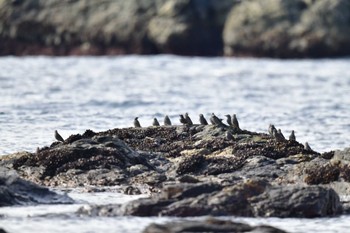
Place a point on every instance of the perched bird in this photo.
(215, 120)
(276, 135)
(137, 123)
(228, 120)
(155, 122)
(235, 124)
(229, 135)
(188, 119)
(182, 119)
(272, 129)
(281, 134)
(307, 147)
(202, 120)
(292, 136)
(167, 120)
(58, 136)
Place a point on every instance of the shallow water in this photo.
(72, 94)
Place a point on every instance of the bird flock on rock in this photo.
(232, 122)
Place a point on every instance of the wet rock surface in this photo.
(252, 198)
(208, 225)
(16, 191)
(193, 171)
(283, 28)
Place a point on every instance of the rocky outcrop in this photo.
(190, 27)
(153, 155)
(76, 27)
(279, 28)
(16, 191)
(209, 225)
(194, 170)
(186, 27)
(271, 28)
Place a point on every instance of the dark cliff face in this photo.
(186, 27)
(282, 28)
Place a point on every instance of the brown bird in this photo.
(155, 122)
(137, 123)
(272, 129)
(182, 119)
(228, 120)
(292, 136)
(167, 120)
(188, 119)
(281, 134)
(235, 124)
(307, 147)
(58, 136)
(202, 120)
(215, 120)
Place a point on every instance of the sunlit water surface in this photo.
(72, 94)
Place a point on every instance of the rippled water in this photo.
(72, 94)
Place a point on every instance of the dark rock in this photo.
(190, 27)
(322, 174)
(16, 191)
(188, 179)
(279, 28)
(294, 201)
(187, 27)
(208, 225)
(252, 198)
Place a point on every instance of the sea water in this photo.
(71, 94)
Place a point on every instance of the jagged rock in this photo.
(208, 225)
(296, 28)
(16, 191)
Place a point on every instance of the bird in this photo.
(155, 122)
(182, 119)
(202, 120)
(167, 120)
(307, 147)
(137, 123)
(271, 129)
(235, 122)
(188, 119)
(229, 135)
(281, 134)
(58, 136)
(292, 136)
(215, 120)
(228, 120)
(275, 134)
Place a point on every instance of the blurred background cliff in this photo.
(262, 28)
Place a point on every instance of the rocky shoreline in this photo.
(272, 28)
